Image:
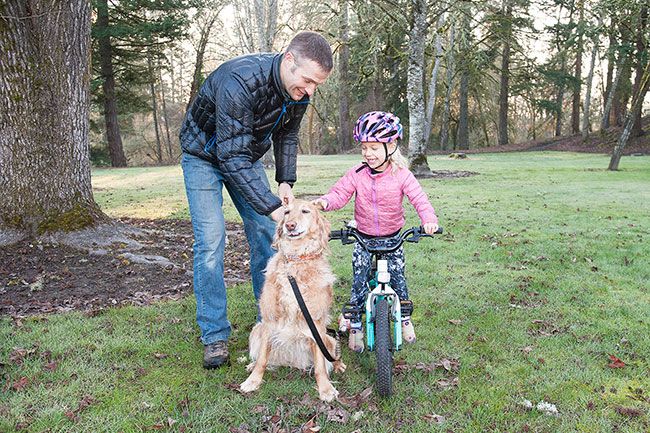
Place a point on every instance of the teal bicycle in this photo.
(383, 308)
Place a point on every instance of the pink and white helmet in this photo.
(378, 126)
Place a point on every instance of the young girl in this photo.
(379, 184)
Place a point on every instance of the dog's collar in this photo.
(302, 257)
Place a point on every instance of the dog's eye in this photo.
(286, 212)
(306, 211)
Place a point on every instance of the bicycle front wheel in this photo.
(382, 349)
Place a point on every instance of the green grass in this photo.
(544, 263)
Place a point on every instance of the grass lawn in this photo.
(542, 278)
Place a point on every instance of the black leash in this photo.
(309, 320)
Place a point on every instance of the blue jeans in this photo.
(204, 188)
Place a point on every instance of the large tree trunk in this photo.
(629, 120)
(577, 75)
(415, 89)
(505, 76)
(344, 132)
(44, 116)
(431, 101)
(446, 115)
(113, 136)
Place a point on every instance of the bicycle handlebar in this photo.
(411, 235)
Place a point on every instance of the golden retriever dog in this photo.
(283, 337)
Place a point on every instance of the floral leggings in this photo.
(362, 267)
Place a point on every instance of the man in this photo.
(244, 106)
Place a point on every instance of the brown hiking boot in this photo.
(215, 355)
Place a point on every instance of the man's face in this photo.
(301, 76)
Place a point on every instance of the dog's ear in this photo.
(323, 227)
(278, 233)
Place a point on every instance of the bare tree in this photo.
(444, 124)
(577, 75)
(415, 88)
(44, 117)
(504, 88)
(113, 135)
(345, 142)
(590, 80)
(431, 101)
(637, 101)
(206, 19)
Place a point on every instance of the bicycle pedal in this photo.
(406, 308)
(352, 312)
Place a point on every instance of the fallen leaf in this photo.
(630, 412)
(455, 321)
(20, 384)
(438, 419)
(616, 363)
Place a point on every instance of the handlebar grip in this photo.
(437, 232)
(336, 234)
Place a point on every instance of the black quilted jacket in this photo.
(241, 109)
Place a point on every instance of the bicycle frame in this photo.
(379, 288)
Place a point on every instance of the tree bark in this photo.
(113, 135)
(415, 89)
(345, 129)
(154, 111)
(629, 120)
(462, 137)
(605, 121)
(641, 59)
(44, 117)
(611, 61)
(446, 115)
(590, 80)
(431, 102)
(505, 75)
(197, 76)
(577, 75)
(165, 115)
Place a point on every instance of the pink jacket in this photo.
(378, 207)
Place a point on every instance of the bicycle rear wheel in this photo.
(382, 349)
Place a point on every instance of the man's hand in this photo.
(285, 193)
(320, 203)
(430, 228)
(277, 214)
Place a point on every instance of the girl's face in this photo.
(375, 155)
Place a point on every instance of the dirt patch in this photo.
(40, 277)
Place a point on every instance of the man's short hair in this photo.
(312, 46)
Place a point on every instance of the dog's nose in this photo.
(290, 225)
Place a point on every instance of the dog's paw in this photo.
(249, 385)
(328, 393)
(339, 367)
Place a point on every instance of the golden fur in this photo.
(283, 338)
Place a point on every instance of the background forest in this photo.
(462, 75)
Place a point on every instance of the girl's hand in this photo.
(320, 203)
(430, 228)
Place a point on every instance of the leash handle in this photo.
(309, 320)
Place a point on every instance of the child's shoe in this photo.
(344, 324)
(408, 331)
(355, 338)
